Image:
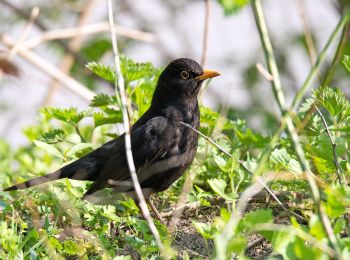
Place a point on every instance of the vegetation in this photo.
(302, 208)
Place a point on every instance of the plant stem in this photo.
(120, 90)
(278, 92)
(261, 182)
(321, 57)
(341, 177)
(344, 38)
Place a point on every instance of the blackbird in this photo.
(162, 146)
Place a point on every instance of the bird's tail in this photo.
(77, 170)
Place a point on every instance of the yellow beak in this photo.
(207, 74)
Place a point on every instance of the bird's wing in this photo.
(150, 142)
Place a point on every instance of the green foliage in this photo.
(346, 62)
(131, 70)
(334, 101)
(233, 6)
(63, 135)
(69, 115)
(102, 71)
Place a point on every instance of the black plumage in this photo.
(162, 147)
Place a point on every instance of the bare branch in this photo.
(39, 24)
(49, 69)
(264, 72)
(34, 14)
(68, 59)
(87, 30)
(311, 48)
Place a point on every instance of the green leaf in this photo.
(68, 115)
(237, 244)
(102, 71)
(53, 136)
(316, 228)
(206, 230)
(222, 163)
(101, 100)
(95, 48)
(131, 70)
(259, 216)
(338, 200)
(281, 240)
(79, 150)
(346, 62)
(49, 148)
(233, 6)
(334, 101)
(323, 166)
(219, 186)
(280, 159)
(247, 137)
(137, 70)
(102, 119)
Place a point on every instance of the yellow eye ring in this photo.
(184, 74)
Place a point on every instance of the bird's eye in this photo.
(184, 74)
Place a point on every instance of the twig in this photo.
(49, 69)
(119, 86)
(246, 169)
(264, 72)
(277, 87)
(315, 68)
(206, 32)
(39, 25)
(310, 44)
(68, 59)
(87, 30)
(338, 168)
(254, 243)
(34, 14)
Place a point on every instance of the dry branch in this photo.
(87, 30)
(49, 69)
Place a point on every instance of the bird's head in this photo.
(182, 78)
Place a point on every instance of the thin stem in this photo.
(120, 86)
(310, 44)
(338, 168)
(315, 68)
(71, 32)
(277, 88)
(68, 59)
(76, 127)
(344, 39)
(49, 69)
(39, 24)
(34, 14)
(245, 168)
(206, 32)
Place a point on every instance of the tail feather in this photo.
(78, 170)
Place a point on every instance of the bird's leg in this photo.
(158, 216)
